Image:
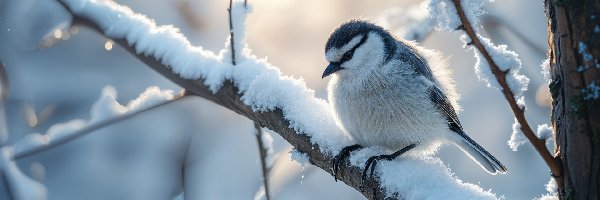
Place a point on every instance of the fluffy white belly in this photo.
(392, 118)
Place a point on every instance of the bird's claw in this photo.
(343, 154)
(336, 166)
(371, 161)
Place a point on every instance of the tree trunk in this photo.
(574, 55)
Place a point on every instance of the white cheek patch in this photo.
(335, 54)
(370, 53)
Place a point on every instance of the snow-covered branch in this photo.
(18, 185)
(256, 89)
(106, 111)
(497, 62)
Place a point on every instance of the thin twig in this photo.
(3, 96)
(263, 159)
(91, 128)
(539, 144)
(259, 133)
(3, 81)
(231, 39)
(7, 186)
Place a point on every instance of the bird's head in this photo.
(358, 46)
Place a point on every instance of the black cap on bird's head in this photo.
(346, 33)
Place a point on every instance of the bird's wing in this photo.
(410, 56)
(443, 105)
(422, 69)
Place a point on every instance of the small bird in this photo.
(391, 93)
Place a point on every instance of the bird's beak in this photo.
(331, 68)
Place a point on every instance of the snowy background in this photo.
(140, 158)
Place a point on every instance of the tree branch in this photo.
(89, 129)
(539, 144)
(229, 97)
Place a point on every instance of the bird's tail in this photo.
(479, 155)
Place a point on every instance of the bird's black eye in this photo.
(348, 55)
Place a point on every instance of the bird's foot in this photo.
(372, 162)
(345, 152)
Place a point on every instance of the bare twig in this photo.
(3, 95)
(539, 144)
(259, 133)
(3, 81)
(231, 39)
(263, 159)
(91, 128)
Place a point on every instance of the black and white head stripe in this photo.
(348, 31)
(345, 53)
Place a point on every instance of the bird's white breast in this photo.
(386, 110)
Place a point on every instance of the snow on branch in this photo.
(493, 61)
(256, 89)
(105, 111)
(18, 185)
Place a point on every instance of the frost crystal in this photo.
(545, 132)
(506, 60)
(299, 157)
(516, 138)
(444, 12)
(521, 103)
(552, 189)
(546, 70)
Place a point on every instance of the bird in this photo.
(388, 92)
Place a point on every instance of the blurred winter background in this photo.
(58, 80)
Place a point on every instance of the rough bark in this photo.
(575, 116)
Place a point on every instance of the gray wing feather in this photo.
(481, 156)
(443, 104)
(411, 56)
